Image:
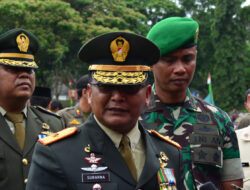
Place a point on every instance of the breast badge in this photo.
(165, 175)
(94, 173)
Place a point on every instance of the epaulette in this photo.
(165, 138)
(58, 135)
(46, 111)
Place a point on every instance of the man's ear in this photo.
(148, 94)
(84, 91)
(89, 93)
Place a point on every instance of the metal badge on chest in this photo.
(94, 173)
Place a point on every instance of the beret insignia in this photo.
(23, 42)
(58, 136)
(119, 48)
(165, 138)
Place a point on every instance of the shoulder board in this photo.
(165, 138)
(46, 111)
(58, 136)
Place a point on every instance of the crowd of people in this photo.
(123, 133)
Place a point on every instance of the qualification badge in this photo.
(165, 175)
(94, 174)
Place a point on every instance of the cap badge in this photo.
(196, 34)
(119, 48)
(23, 42)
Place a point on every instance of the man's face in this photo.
(174, 72)
(118, 107)
(16, 83)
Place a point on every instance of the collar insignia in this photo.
(23, 42)
(87, 148)
(119, 48)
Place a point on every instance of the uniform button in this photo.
(25, 161)
(26, 181)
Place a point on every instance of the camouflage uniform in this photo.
(206, 135)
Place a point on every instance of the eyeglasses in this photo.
(127, 89)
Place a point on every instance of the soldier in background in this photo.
(20, 125)
(56, 105)
(205, 132)
(74, 116)
(41, 97)
(244, 121)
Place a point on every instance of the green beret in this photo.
(17, 48)
(174, 33)
(119, 58)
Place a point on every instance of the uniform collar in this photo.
(134, 135)
(190, 102)
(24, 111)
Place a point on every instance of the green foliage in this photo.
(154, 10)
(229, 41)
(56, 25)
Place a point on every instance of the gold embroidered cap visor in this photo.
(119, 58)
(17, 48)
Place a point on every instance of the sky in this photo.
(246, 3)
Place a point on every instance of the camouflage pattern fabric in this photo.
(204, 131)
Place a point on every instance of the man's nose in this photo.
(179, 67)
(118, 95)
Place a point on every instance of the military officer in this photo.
(111, 150)
(205, 132)
(20, 125)
(41, 97)
(74, 116)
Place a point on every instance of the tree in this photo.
(229, 41)
(154, 11)
(58, 27)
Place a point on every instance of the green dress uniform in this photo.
(66, 168)
(17, 50)
(15, 164)
(90, 157)
(73, 116)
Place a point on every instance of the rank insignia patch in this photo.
(74, 122)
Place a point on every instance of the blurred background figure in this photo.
(41, 97)
(74, 116)
(56, 106)
(243, 135)
(244, 121)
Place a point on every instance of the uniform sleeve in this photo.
(45, 172)
(232, 168)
